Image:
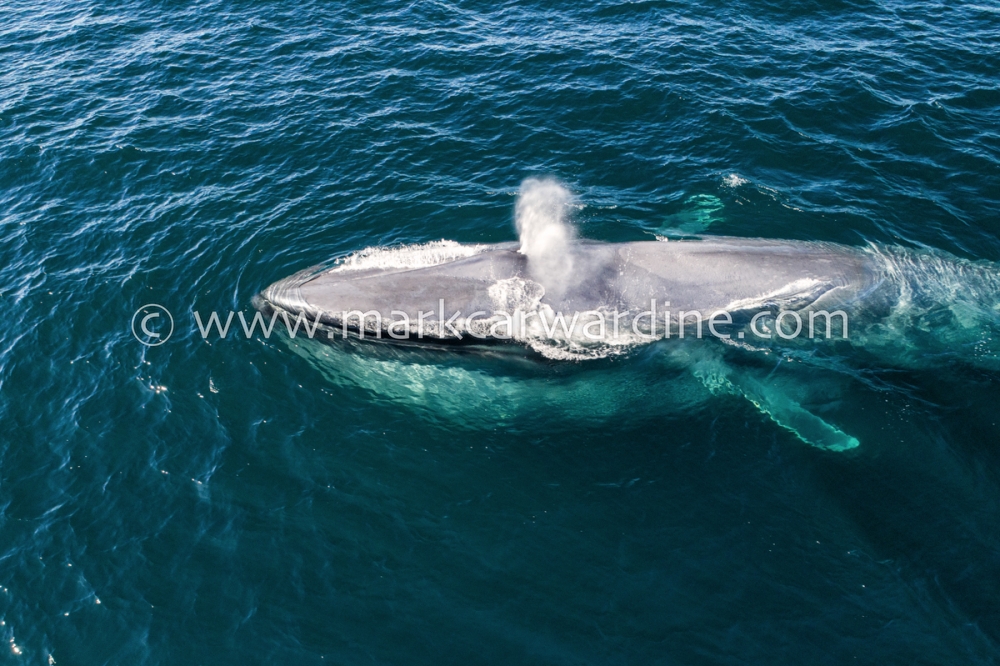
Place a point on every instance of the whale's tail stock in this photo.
(941, 310)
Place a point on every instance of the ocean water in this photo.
(261, 501)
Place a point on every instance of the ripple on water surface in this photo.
(235, 501)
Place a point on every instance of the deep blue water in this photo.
(233, 501)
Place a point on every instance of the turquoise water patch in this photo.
(243, 501)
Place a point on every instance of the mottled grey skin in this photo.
(706, 275)
(907, 308)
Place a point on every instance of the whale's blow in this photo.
(545, 232)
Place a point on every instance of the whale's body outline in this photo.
(892, 296)
(717, 274)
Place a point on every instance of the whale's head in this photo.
(369, 290)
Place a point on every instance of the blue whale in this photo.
(914, 307)
(901, 307)
(700, 300)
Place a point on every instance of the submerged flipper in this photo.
(777, 405)
(790, 415)
(702, 210)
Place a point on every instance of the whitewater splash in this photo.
(405, 257)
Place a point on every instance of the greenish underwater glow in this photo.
(241, 501)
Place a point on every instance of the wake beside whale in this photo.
(559, 295)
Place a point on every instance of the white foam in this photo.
(558, 336)
(406, 257)
(515, 294)
(734, 180)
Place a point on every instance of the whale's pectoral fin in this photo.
(789, 414)
(701, 211)
(777, 405)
